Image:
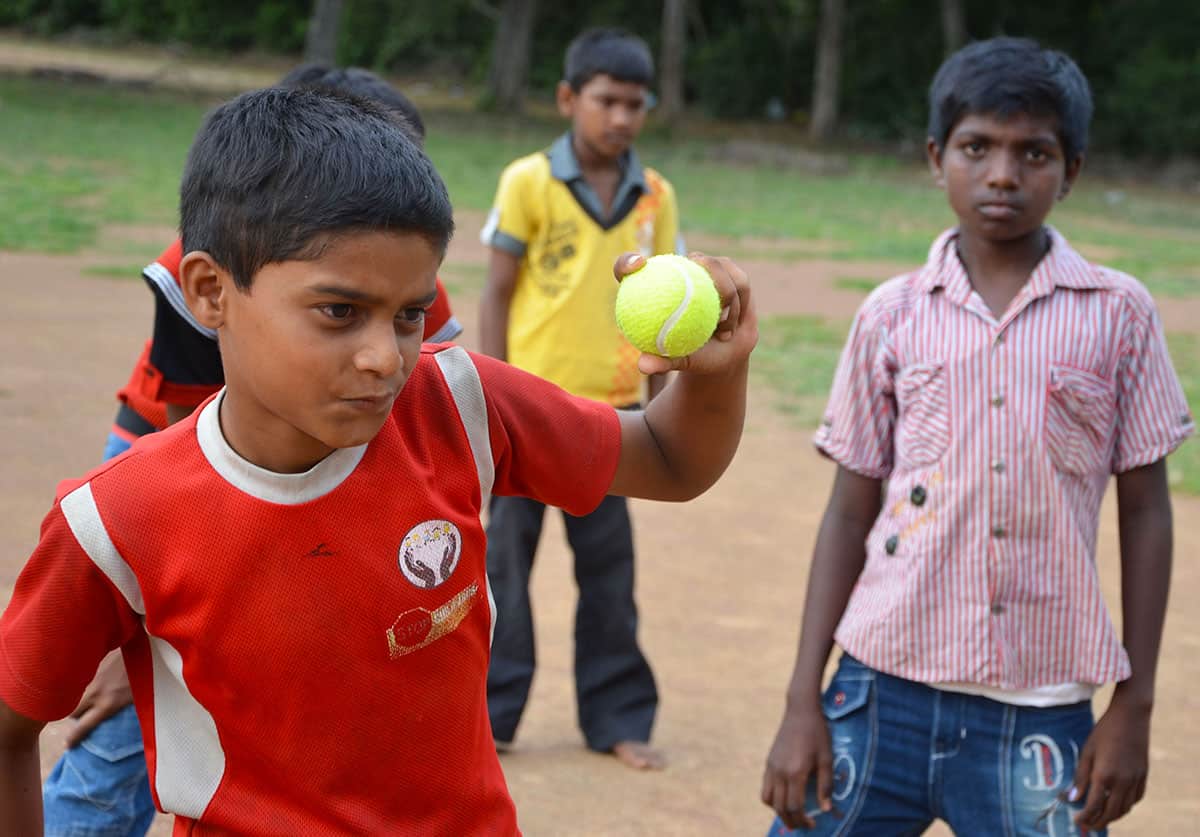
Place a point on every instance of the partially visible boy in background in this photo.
(99, 785)
(560, 218)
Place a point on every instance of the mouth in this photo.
(370, 403)
(999, 210)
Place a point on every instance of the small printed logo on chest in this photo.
(430, 552)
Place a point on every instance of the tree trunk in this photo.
(320, 42)
(826, 80)
(674, 46)
(954, 25)
(510, 55)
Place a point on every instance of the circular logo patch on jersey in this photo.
(429, 553)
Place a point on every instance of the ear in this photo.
(933, 155)
(1073, 168)
(206, 286)
(564, 97)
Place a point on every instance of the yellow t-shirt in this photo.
(561, 325)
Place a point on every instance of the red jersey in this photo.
(182, 364)
(310, 655)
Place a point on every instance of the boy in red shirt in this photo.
(980, 408)
(99, 785)
(310, 655)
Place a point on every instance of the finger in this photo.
(727, 277)
(628, 263)
(1093, 810)
(779, 798)
(825, 786)
(797, 803)
(85, 703)
(655, 365)
(1129, 798)
(1114, 801)
(84, 725)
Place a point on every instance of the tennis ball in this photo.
(669, 307)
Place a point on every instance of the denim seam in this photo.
(1005, 771)
(934, 808)
(864, 784)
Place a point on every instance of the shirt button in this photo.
(999, 338)
(918, 495)
(997, 531)
(997, 400)
(998, 466)
(997, 609)
(891, 544)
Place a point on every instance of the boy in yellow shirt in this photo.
(560, 218)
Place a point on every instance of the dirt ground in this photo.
(720, 579)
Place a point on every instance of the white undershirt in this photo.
(1058, 694)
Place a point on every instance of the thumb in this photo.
(84, 725)
(628, 263)
(1083, 775)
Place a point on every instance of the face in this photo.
(315, 352)
(1003, 176)
(606, 115)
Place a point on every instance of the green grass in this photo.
(861, 284)
(797, 356)
(1184, 464)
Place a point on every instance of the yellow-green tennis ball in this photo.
(669, 307)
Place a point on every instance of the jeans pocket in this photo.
(1080, 410)
(923, 415)
(115, 738)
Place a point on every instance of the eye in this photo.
(411, 316)
(1037, 155)
(339, 311)
(973, 148)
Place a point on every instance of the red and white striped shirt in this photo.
(997, 439)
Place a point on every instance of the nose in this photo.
(1003, 171)
(621, 116)
(379, 352)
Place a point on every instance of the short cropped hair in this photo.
(608, 52)
(1007, 76)
(273, 173)
(355, 81)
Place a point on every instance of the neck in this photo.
(589, 160)
(1003, 263)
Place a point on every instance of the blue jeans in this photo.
(100, 788)
(906, 754)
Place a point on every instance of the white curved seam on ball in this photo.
(660, 342)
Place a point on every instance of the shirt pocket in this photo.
(923, 415)
(1079, 420)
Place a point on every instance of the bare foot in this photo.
(639, 755)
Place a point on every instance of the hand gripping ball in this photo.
(669, 307)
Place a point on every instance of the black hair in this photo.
(608, 52)
(1006, 76)
(355, 81)
(273, 173)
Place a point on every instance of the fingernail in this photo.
(724, 314)
(1073, 794)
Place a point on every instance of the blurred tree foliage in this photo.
(745, 58)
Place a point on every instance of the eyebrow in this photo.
(355, 295)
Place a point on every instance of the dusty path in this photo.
(720, 579)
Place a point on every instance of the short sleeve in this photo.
(440, 323)
(1153, 417)
(548, 445)
(857, 428)
(64, 616)
(667, 238)
(511, 224)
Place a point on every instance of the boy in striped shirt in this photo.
(979, 408)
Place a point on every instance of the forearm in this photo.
(838, 559)
(695, 425)
(20, 774)
(1146, 548)
(493, 326)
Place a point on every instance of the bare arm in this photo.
(685, 438)
(655, 384)
(20, 773)
(494, 303)
(178, 412)
(1115, 760)
(802, 744)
